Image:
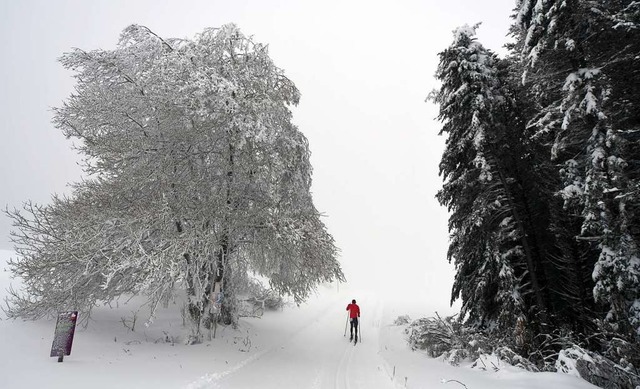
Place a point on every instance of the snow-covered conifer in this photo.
(487, 231)
(579, 54)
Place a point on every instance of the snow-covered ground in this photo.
(298, 347)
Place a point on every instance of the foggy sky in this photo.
(364, 69)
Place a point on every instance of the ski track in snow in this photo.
(315, 349)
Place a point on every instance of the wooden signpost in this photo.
(63, 336)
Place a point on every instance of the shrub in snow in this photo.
(623, 352)
(509, 356)
(264, 298)
(402, 320)
(596, 369)
(446, 338)
(543, 348)
(487, 362)
(434, 335)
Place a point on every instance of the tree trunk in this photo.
(528, 252)
(223, 277)
(222, 271)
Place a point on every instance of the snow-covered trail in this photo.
(312, 352)
(298, 347)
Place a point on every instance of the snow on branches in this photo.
(197, 178)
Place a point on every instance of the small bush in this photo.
(263, 298)
(596, 369)
(509, 356)
(446, 338)
(402, 320)
(267, 299)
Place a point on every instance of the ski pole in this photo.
(345, 325)
(360, 330)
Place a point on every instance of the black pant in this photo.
(354, 324)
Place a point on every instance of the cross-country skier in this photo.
(354, 314)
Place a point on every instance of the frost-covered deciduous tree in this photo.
(197, 178)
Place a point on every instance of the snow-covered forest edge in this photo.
(541, 179)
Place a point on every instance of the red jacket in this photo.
(354, 310)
